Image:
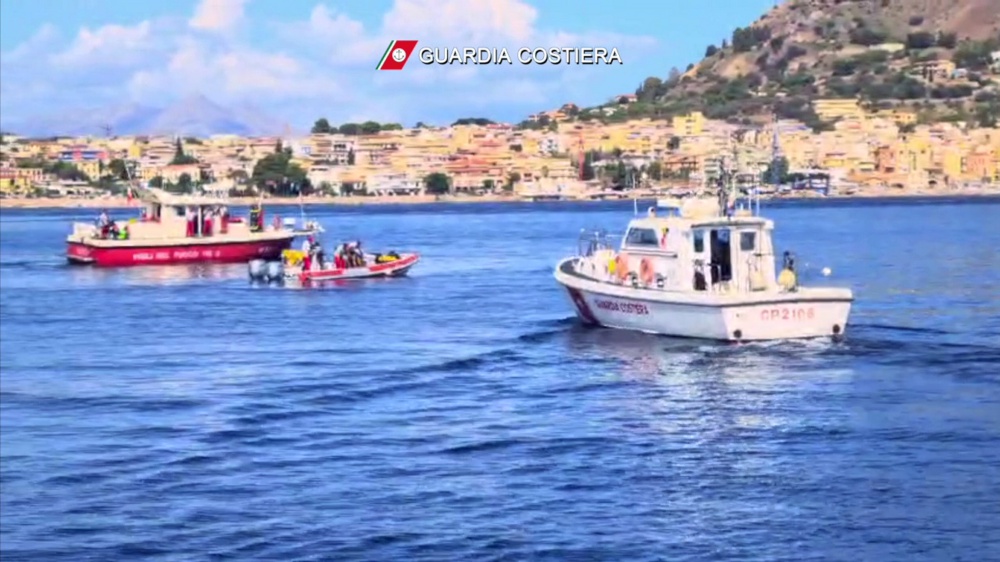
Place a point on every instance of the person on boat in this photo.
(307, 254)
(206, 222)
(104, 223)
(357, 254)
(223, 219)
(189, 216)
(256, 218)
(318, 257)
(787, 279)
(788, 262)
(338, 257)
(352, 254)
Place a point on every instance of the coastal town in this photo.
(552, 155)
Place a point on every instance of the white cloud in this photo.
(219, 16)
(45, 36)
(109, 44)
(323, 62)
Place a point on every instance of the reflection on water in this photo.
(744, 385)
(154, 275)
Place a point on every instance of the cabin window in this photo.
(748, 241)
(179, 211)
(699, 241)
(642, 237)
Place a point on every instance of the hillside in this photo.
(936, 58)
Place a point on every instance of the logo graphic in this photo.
(396, 55)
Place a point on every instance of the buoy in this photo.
(827, 271)
(646, 271)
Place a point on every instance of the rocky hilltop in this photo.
(938, 58)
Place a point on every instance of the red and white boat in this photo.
(372, 268)
(290, 268)
(179, 229)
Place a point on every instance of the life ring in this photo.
(621, 266)
(646, 271)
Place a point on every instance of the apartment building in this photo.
(834, 109)
(689, 125)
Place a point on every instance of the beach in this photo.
(122, 202)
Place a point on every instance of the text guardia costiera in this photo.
(539, 56)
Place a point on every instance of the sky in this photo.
(298, 60)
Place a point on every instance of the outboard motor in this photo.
(275, 271)
(258, 270)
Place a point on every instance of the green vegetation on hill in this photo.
(322, 126)
(878, 51)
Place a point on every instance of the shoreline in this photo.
(122, 202)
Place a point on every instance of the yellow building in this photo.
(14, 179)
(689, 125)
(897, 115)
(951, 162)
(92, 168)
(916, 154)
(834, 109)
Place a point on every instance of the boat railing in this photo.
(592, 241)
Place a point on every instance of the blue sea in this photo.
(463, 414)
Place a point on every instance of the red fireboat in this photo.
(179, 229)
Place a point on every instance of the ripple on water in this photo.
(463, 414)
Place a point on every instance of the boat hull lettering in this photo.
(621, 306)
(787, 314)
(232, 252)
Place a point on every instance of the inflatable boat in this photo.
(291, 268)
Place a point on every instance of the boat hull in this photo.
(235, 251)
(775, 316)
(396, 268)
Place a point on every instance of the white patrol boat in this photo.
(699, 268)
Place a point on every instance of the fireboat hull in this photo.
(209, 251)
(808, 313)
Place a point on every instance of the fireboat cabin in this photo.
(174, 229)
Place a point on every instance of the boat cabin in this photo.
(168, 215)
(693, 246)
